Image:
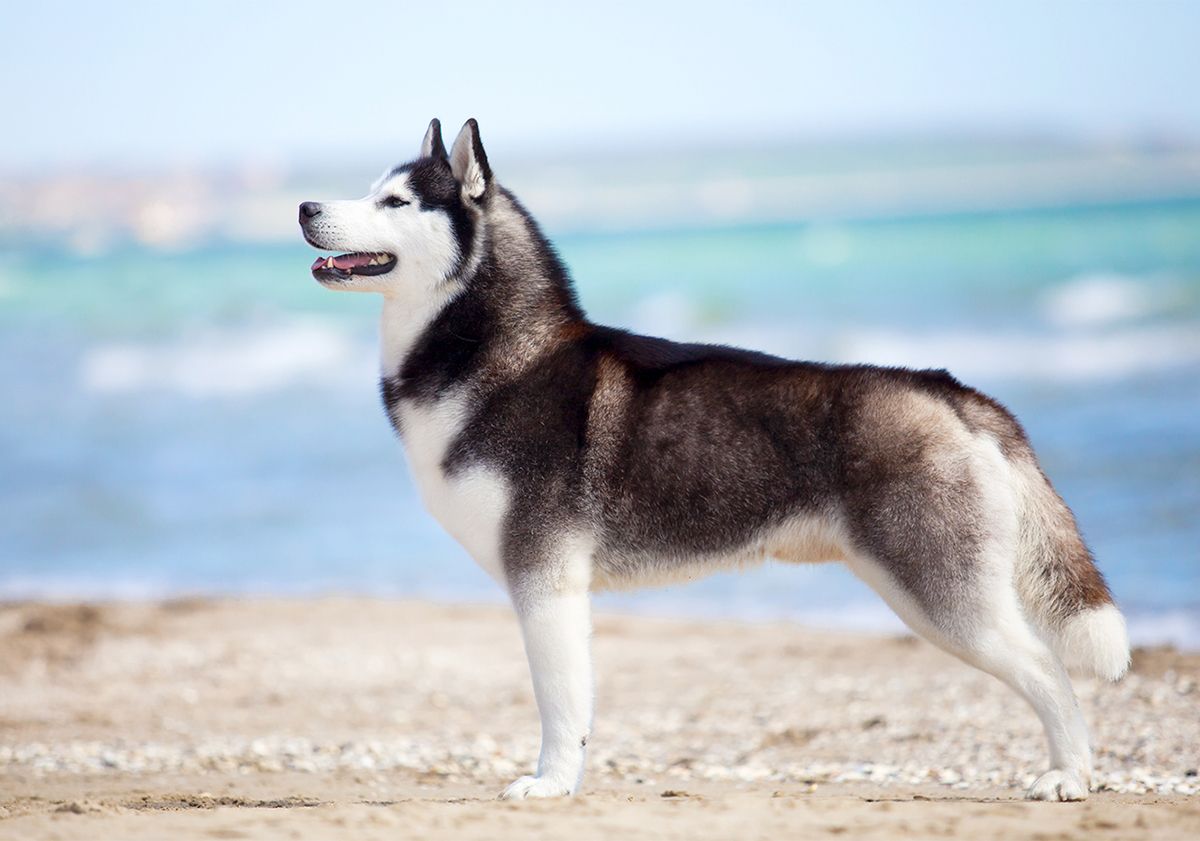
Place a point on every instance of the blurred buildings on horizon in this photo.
(92, 210)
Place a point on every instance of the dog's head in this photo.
(416, 228)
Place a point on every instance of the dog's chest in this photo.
(471, 502)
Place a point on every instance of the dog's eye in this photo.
(395, 201)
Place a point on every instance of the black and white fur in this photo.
(569, 457)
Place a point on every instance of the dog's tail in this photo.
(1062, 590)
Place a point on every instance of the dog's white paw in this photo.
(536, 787)
(1058, 785)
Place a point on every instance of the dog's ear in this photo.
(432, 146)
(469, 163)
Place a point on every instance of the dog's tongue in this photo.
(345, 262)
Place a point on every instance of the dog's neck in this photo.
(514, 305)
(404, 319)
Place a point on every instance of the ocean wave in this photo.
(1092, 357)
(1065, 356)
(1179, 627)
(226, 363)
(71, 587)
(1094, 300)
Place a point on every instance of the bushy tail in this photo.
(1058, 582)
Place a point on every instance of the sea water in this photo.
(207, 420)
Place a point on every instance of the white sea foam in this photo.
(1094, 300)
(1177, 627)
(664, 313)
(226, 363)
(1061, 357)
(116, 585)
(8, 283)
(1171, 626)
(1098, 355)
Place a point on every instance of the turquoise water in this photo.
(207, 421)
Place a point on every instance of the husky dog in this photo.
(568, 457)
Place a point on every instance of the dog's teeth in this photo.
(374, 262)
(329, 262)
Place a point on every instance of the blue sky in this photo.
(155, 83)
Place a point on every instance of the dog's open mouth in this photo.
(356, 263)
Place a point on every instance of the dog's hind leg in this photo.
(552, 603)
(939, 540)
(991, 633)
(1010, 650)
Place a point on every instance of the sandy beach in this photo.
(356, 718)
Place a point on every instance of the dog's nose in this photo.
(309, 209)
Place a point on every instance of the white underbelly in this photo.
(802, 539)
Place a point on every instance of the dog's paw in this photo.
(536, 787)
(1058, 785)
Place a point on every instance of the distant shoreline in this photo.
(1174, 629)
(174, 209)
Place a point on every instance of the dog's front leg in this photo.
(557, 627)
